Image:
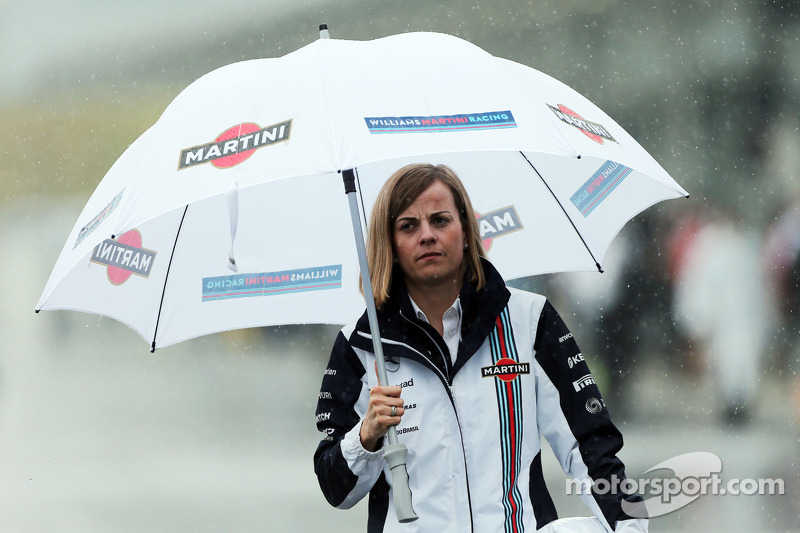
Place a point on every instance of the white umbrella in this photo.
(228, 212)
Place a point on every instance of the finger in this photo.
(385, 396)
(392, 391)
(396, 411)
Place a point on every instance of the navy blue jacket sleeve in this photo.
(336, 415)
(581, 433)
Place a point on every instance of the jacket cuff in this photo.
(634, 525)
(360, 460)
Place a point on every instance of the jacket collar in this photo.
(480, 310)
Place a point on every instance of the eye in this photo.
(440, 220)
(405, 226)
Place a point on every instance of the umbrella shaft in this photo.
(372, 314)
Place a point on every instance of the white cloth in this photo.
(574, 525)
(451, 325)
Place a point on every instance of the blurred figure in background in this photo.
(720, 305)
(782, 267)
(617, 309)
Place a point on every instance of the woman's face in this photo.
(429, 239)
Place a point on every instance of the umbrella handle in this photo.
(395, 456)
(394, 453)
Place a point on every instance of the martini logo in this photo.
(98, 218)
(505, 369)
(599, 186)
(593, 130)
(498, 223)
(584, 382)
(235, 145)
(467, 121)
(124, 256)
(272, 283)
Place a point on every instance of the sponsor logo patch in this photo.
(498, 223)
(584, 382)
(595, 405)
(235, 145)
(124, 256)
(593, 130)
(599, 186)
(573, 360)
(98, 218)
(272, 283)
(505, 370)
(409, 383)
(462, 122)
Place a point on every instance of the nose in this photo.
(426, 234)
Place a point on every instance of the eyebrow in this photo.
(435, 213)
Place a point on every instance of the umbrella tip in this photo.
(323, 32)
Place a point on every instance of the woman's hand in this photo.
(379, 414)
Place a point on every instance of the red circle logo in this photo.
(236, 132)
(567, 111)
(506, 377)
(117, 275)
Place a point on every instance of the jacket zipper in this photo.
(410, 348)
(455, 412)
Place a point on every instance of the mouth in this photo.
(429, 255)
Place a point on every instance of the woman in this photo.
(477, 372)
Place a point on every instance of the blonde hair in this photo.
(400, 191)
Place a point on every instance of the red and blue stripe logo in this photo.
(466, 121)
(599, 186)
(272, 283)
(509, 403)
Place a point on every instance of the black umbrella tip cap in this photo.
(349, 179)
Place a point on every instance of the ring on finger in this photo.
(394, 410)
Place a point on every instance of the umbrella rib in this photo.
(596, 263)
(360, 198)
(166, 278)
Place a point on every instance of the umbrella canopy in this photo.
(229, 213)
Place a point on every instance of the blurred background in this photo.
(693, 331)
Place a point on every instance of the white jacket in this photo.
(473, 428)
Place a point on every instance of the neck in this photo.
(434, 301)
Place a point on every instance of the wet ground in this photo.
(216, 434)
